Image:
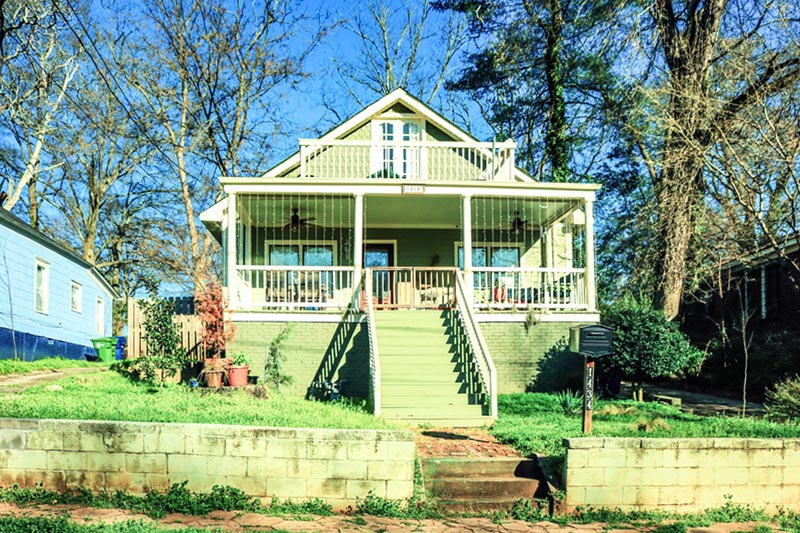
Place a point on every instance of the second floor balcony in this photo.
(409, 160)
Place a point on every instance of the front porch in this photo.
(313, 253)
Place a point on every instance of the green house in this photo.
(399, 260)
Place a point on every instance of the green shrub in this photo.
(784, 400)
(571, 402)
(646, 345)
(165, 355)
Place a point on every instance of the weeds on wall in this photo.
(273, 366)
(158, 504)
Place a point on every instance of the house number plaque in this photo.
(413, 189)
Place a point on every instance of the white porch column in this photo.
(233, 285)
(591, 292)
(358, 239)
(466, 239)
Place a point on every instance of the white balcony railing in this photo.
(304, 288)
(430, 161)
(534, 288)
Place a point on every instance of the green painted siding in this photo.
(308, 353)
(435, 134)
(532, 357)
(362, 133)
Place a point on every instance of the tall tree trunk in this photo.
(687, 40)
(556, 145)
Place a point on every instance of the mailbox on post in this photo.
(592, 342)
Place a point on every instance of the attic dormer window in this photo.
(397, 148)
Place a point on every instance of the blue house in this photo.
(52, 301)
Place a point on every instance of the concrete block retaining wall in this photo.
(685, 475)
(335, 465)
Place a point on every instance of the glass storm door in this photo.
(380, 256)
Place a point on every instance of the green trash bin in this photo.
(106, 348)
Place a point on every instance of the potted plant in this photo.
(213, 371)
(210, 307)
(238, 370)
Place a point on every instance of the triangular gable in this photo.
(398, 96)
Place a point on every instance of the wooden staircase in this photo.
(424, 379)
(465, 485)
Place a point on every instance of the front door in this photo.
(380, 256)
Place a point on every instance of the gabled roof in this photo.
(21, 227)
(398, 96)
(766, 254)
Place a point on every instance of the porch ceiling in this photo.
(406, 211)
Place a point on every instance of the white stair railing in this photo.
(374, 357)
(477, 345)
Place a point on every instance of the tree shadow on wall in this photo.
(558, 369)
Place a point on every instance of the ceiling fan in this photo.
(297, 223)
(517, 224)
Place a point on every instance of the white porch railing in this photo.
(412, 287)
(417, 160)
(536, 288)
(307, 288)
(477, 345)
(321, 288)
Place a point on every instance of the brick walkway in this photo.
(236, 521)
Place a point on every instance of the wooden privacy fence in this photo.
(190, 329)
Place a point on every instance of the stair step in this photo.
(502, 488)
(448, 467)
(416, 354)
(480, 506)
(455, 422)
(430, 413)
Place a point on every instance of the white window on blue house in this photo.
(41, 286)
(100, 316)
(76, 296)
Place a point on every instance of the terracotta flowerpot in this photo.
(237, 375)
(213, 378)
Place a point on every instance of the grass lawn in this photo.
(110, 396)
(10, 366)
(535, 423)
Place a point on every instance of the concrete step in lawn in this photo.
(485, 484)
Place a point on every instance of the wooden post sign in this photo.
(592, 342)
(588, 394)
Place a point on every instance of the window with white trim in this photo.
(41, 286)
(493, 255)
(301, 254)
(76, 296)
(100, 316)
(396, 155)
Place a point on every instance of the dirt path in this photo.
(699, 403)
(237, 521)
(16, 382)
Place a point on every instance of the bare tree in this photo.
(34, 79)
(708, 65)
(206, 75)
(393, 50)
